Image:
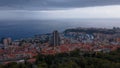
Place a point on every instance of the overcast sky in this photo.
(58, 9)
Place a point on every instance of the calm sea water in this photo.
(28, 28)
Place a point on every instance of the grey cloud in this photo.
(20, 15)
(53, 4)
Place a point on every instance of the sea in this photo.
(17, 29)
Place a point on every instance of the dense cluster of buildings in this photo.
(56, 42)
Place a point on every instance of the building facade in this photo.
(55, 40)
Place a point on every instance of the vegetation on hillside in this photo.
(74, 59)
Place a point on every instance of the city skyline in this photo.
(18, 16)
(59, 33)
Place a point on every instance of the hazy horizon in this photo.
(24, 18)
(28, 28)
